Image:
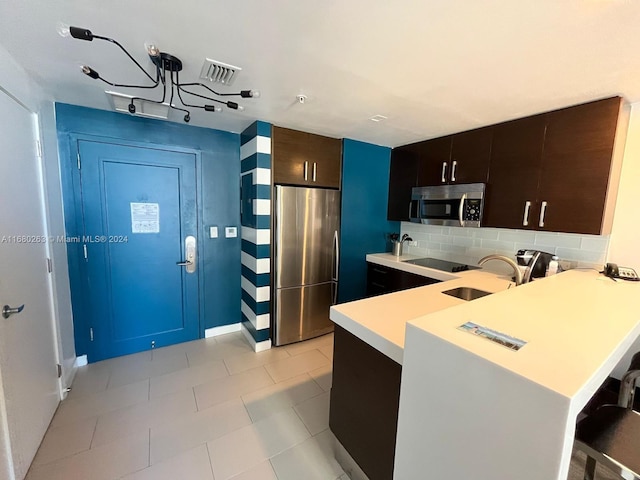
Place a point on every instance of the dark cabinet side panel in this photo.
(403, 172)
(365, 397)
(575, 166)
(516, 155)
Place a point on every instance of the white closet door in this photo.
(29, 391)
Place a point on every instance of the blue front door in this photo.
(139, 205)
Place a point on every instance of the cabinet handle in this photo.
(313, 172)
(453, 170)
(409, 217)
(306, 171)
(525, 220)
(444, 172)
(377, 270)
(543, 210)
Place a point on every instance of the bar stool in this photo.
(611, 435)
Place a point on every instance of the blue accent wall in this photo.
(363, 225)
(219, 199)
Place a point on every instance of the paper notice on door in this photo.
(145, 218)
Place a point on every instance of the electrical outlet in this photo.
(413, 243)
(230, 232)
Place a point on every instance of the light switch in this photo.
(230, 232)
(213, 232)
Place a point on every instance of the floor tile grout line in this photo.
(213, 475)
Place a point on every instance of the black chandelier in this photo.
(168, 70)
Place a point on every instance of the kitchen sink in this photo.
(466, 293)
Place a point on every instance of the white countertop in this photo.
(575, 319)
(381, 321)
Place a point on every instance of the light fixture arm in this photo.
(132, 59)
(164, 63)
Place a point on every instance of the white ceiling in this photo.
(431, 66)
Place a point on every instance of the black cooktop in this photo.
(443, 265)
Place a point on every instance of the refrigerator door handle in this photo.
(336, 246)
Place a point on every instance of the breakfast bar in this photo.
(473, 408)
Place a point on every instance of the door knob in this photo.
(7, 311)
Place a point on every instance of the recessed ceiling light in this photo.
(378, 118)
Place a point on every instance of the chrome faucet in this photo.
(514, 265)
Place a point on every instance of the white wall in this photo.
(19, 85)
(624, 247)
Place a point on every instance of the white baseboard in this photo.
(81, 361)
(224, 329)
(257, 346)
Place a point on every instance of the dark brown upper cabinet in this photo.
(403, 173)
(435, 158)
(516, 157)
(470, 156)
(301, 158)
(580, 167)
(459, 158)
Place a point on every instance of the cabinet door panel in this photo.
(433, 155)
(575, 166)
(326, 154)
(516, 155)
(471, 152)
(290, 151)
(402, 178)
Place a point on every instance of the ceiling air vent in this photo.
(218, 72)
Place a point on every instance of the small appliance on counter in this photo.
(537, 264)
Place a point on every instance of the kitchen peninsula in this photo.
(468, 407)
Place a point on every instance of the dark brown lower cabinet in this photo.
(365, 396)
(381, 280)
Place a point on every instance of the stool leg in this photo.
(590, 469)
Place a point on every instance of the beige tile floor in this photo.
(205, 410)
(210, 409)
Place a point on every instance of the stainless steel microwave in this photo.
(458, 205)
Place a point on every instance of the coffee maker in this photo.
(536, 264)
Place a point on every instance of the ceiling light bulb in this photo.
(152, 50)
(255, 93)
(240, 107)
(90, 72)
(63, 29)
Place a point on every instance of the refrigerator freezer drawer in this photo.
(303, 312)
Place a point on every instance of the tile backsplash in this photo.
(468, 245)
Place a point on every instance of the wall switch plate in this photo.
(230, 232)
(213, 232)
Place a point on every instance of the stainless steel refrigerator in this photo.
(306, 255)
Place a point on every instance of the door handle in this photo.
(454, 164)
(444, 172)
(7, 311)
(306, 171)
(313, 172)
(190, 254)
